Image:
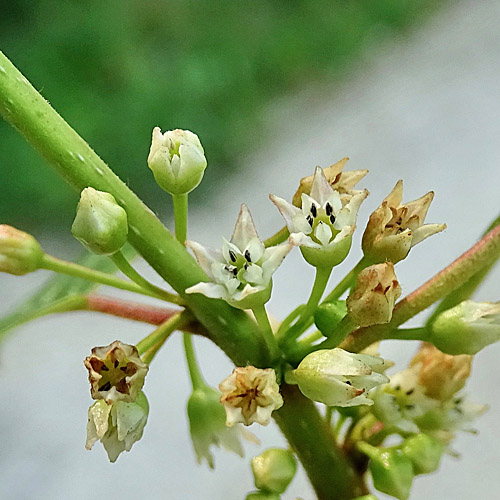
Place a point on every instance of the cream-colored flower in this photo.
(116, 372)
(177, 160)
(241, 272)
(338, 378)
(250, 395)
(394, 228)
(324, 224)
(118, 425)
(372, 300)
(20, 253)
(343, 182)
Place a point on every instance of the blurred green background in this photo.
(114, 69)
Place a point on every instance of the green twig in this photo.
(277, 238)
(194, 370)
(180, 215)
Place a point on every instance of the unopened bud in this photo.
(372, 300)
(328, 316)
(467, 328)
(20, 253)
(177, 160)
(274, 470)
(424, 451)
(100, 223)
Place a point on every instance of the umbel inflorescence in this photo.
(325, 350)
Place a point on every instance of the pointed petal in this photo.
(273, 257)
(335, 201)
(254, 274)
(244, 230)
(320, 189)
(420, 206)
(287, 210)
(323, 233)
(394, 198)
(230, 251)
(254, 250)
(211, 290)
(425, 231)
(205, 256)
(300, 239)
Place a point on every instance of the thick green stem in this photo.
(70, 268)
(126, 268)
(194, 371)
(180, 216)
(311, 438)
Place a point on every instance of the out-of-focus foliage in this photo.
(116, 68)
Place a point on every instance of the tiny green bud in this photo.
(391, 470)
(100, 223)
(20, 253)
(467, 328)
(177, 160)
(262, 495)
(328, 316)
(207, 425)
(274, 470)
(366, 497)
(424, 451)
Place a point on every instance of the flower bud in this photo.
(467, 327)
(328, 316)
(20, 253)
(100, 223)
(207, 425)
(424, 451)
(177, 160)
(372, 300)
(338, 378)
(440, 375)
(393, 229)
(392, 471)
(250, 395)
(118, 425)
(274, 470)
(116, 372)
(366, 497)
(262, 495)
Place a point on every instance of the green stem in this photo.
(70, 268)
(262, 318)
(126, 268)
(277, 238)
(194, 371)
(289, 320)
(420, 333)
(180, 216)
(347, 282)
(329, 415)
(150, 345)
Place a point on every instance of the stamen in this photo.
(232, 256)
(235, 271)
(410, 392)
(332, 219)
(105, 387)
(104, 368)
(314, 211)
(247, 256)
(309, 219)
(116, 363)
(329, 209)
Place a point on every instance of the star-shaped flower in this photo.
(324, 225)
(241, 271)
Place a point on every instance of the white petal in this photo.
(323, 233)
(255, 249)
(211, 290)
(300, 239)
(335, 201)
(425, 231)
(230, 250)
(307, 203)
(287, 210)
(247, 290)
(344, 233)
(320, 189)
(254, 274)
(244, 230)
(232, 285)
(273, 257)
(205, 256)
(300, 225)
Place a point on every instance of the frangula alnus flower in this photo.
(20, 253)
(116, 372)
(336, 377)
(241, 271)
(250, 395)
(393, 229)
(372, 300)
(324, 224)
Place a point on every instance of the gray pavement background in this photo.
(425, 110)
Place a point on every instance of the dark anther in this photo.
(329, 209)
(309, 219)
(247, 256)
(332, 219)
(235, 271)
(348, 382)
(123, 368)
(245, 266)
(314, 211)
(410, 392)
(116, 363)
(397, 388)
(410, 407)
(232, 256)
(104, 368)
(105, 387)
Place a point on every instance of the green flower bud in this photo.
(100, 223)
(424, 451)
(274, 470)
(207, 424)
(328, 316)
(366, 497)
(118, 425)
(20, 253)
(467, 327)
(262, 495)
(336, 377)
(177, 160)
(391, 470)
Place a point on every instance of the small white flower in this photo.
(241, 271)
(250, 395)
(324, 225)
(338, 378)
